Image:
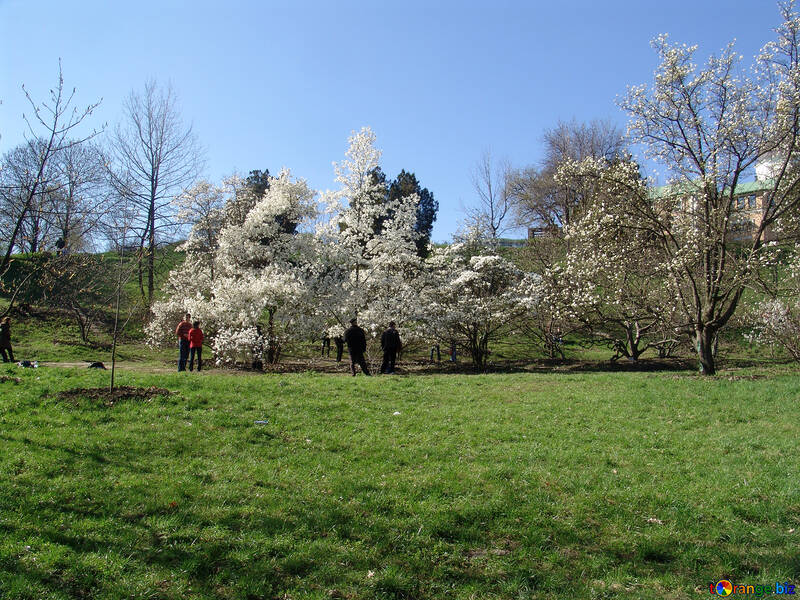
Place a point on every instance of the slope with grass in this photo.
(594, 485)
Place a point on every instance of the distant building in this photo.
(750, 202)
(539, 232)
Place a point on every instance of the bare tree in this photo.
(539, 200)
(490, 218)
(156, 157)
(18, 207)
(50, 130)
(83, 198)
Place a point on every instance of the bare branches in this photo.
(490, 218)
(156, 157)
(50, 132)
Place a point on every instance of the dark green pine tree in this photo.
(406, 184)
(258, 182)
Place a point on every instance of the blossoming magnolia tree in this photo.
(612, 269)
(368, 261)
(281, 269)
(474, 300)
(776, 319)
(264, 273)
(261, 293)
(709, 127)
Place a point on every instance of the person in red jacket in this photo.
(196, 346)
(182, 331)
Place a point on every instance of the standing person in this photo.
(326, 343)
(391, 345)
(5, 339)
(182, 331)
(196, 346)
(356, 341)
(339, 341)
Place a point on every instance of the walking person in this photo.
(182, 331)
(391, 345)
(356, 341)
(196, 346)
(339, 341)
(5, 340)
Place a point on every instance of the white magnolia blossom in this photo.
(776, 320)
(368, 263)
(261, 295)
(473, 300)
(709, 127)
(612, 264)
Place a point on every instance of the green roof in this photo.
(742, 189)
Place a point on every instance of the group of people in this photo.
(190, 344)
(356, 340)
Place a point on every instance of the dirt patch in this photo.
(107, 398)
(6, 378)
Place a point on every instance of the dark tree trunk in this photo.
(704, 343)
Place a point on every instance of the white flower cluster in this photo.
(285, 267)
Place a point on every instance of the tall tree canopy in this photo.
(406, 184)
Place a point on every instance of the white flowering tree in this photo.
(613, 270)
(368, 263)
(475, 300)
(708, 127)
(261, 294)
(775, 318)
(203, 206)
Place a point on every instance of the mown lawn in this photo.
(592, 485)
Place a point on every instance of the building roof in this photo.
(688, 188)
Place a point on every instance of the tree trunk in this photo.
(704, 342)
(151, 257)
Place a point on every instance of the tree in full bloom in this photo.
(368, 264)
(261, 294)
(613, 269)
(474, 300)
(775, 318)
(710, 127)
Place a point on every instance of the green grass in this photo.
(596, 485)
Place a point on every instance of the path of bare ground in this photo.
(425, 367)
(419, 367)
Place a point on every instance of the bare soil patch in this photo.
(105, 397)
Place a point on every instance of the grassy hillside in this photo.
(595, 485)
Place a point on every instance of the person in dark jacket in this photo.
(326, 343)
(391, 345)
(5, 340)
(356, 341)
(339, 341)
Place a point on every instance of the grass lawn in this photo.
(587, 485)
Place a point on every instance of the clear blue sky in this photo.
(271, 84)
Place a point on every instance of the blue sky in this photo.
(272, 84)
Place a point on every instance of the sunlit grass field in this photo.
(592, 485)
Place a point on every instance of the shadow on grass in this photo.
(542, 365)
